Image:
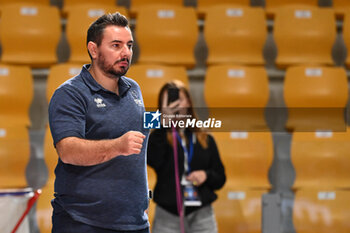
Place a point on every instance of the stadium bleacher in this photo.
(242, 39)
(278, 55)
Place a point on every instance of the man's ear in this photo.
(92, 47)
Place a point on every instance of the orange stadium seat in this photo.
(271, 6)
(321, 211)
(167, 35)
(241, 40)
(236, 86)
(340, 7)
(152, 77)
(68, 4)
(204, 5)
(237, 95)
(247, 157)
(78, 22)
(137, 5)
(304, 35)
(239, 211)
(25, 2)
(14, 155)
(30, 34)
(321, 159)
(16, 94)
(346, 35)
(44, 209)
(316, 97)
(59, 74)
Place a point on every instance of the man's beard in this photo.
(109, 69)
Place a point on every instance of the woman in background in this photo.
(200, 170)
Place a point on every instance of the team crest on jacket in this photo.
(99, 103)
(136, 98)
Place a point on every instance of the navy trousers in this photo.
(64, 223)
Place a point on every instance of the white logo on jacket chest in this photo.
(136, 98)
(99, 103)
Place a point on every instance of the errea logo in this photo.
(99, 103)
(137, 100)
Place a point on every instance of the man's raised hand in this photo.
(131, 143)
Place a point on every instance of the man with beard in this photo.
(97, 128)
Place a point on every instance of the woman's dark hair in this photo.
(179, 85)
(201, 135)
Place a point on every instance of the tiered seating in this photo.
(340, 7)
(239, 210)
(322, 180)
(79, 19)
(152, 77)
(14, 155)
(237, 95)
(241, 40)
(204, 5)
(304, 35)
(238, 207)
(316, 97)
(44, 208)
(29, 34)
(24, 2)
(137, 5)
(68, 4)
(16, 94)
(321, 211)
(167, 35)
(321, 159)
(271, 6)
(58, 74)
(247, 157)
(346, 35)
(225, 83)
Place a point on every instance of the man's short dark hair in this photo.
(96, 29)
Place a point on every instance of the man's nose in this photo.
(126, 51)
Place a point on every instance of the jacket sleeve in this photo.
(157, 148)
(216, 177)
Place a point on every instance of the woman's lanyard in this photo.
(188, 153)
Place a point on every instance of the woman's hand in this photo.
(169, 111)
(197, 177)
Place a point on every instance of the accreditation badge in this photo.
(190, 193)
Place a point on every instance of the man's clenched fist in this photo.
(131, 143)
